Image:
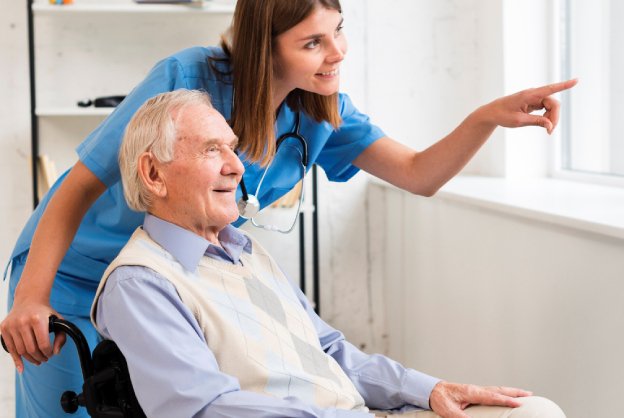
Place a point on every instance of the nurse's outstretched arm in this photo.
(25, 329)
(425, 172)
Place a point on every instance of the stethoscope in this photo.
(249, 205)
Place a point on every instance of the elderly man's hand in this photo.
(450, 399)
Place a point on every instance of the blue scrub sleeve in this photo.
(100, 149)
(347, 142)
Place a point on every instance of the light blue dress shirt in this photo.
(174, 372)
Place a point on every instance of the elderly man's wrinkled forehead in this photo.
(202, 121)
(197, 108)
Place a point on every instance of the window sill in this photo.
(587, 207)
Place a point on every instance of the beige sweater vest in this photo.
(252, 321)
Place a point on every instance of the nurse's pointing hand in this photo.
(517, 109)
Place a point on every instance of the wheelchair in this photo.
(107, 391)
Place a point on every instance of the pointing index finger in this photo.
(549, 89)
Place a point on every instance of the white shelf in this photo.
(128, 6)
(73, 111)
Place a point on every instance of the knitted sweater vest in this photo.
(252, 321)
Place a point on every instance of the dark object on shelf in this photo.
(107, 391)
(168, 1)
(108, 101)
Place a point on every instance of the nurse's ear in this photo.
(150, 172)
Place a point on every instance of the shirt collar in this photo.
(188, 248)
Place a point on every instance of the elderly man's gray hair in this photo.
(152, 129)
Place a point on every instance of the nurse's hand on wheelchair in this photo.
(107, 389)
(25, 333)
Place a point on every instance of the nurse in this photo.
(281, 61)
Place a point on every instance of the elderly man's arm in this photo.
(173, 371)
(382, 382)
(386, 384)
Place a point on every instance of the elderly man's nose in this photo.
(233, 164)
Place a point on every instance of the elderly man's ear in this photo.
(151, 174)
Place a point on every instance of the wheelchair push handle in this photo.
(56, 325)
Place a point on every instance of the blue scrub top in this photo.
(108, 224)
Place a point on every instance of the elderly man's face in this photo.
(201, 180)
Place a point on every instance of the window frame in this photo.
(562, 141)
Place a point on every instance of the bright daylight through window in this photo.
(593, 39)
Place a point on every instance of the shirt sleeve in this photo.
(100, 149)
(383, 383)
(173, 371)
(353, 136)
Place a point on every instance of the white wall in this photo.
(428, 64)
(15, 203)
(491, 298)
(467, 294)
(14, 125)
(417, 68)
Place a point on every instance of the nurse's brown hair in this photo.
(250, 47)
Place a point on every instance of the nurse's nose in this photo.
(337, 50)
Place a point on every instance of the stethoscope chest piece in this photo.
(248, 208)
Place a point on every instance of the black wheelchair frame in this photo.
(107, 390)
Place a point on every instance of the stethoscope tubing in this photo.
(253, 200)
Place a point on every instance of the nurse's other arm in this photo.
(25, 329)
(424, 172)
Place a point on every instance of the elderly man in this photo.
(209, 324)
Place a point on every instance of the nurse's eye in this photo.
(312, 44)
(339, 30)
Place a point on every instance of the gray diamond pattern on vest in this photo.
(313, 360)
(264, 298)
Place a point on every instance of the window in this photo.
(593, 44)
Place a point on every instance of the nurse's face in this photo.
(308, 55)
